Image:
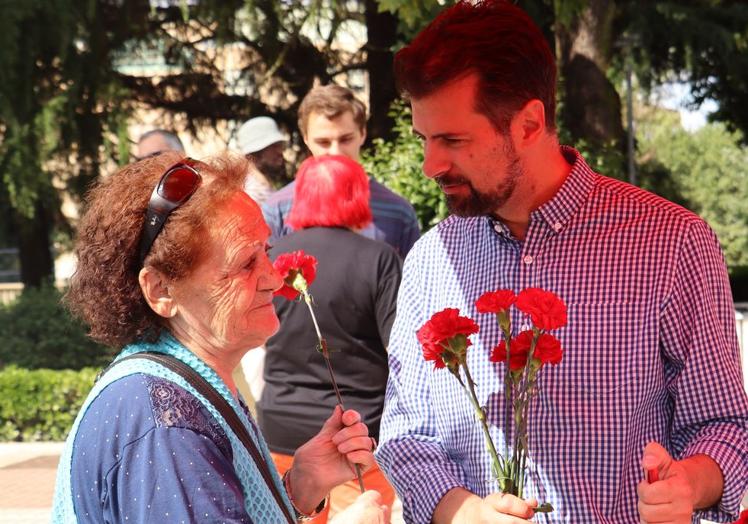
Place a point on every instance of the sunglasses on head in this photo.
(176, 186)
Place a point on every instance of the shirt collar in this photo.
(558, 211)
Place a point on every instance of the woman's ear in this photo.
(156, 292)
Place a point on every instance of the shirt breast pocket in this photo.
(607, 346)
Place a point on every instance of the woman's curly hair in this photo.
(104, 290)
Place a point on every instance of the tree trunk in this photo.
(35, 254)
(592, 107)
(382, 36)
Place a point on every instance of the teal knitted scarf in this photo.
(258, 500)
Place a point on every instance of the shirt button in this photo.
(557, 227)
(497, 228)
(527, 259)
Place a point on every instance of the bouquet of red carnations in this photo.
(445, 341)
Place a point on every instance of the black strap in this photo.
(227, 412)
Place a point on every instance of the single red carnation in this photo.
(743, 518)
(519, 348)
(517, 359)
(436, 334)
(432, 350)
(546, 310)
(495, 301)
(548, 349)
(289, 265)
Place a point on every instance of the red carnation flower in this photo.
(546, 310)
(517, 357)
(441, 329)
(519, 348)
(495, 301)
(290, 266)
(548, 349)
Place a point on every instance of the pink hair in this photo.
(331, 191)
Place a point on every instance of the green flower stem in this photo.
(507, 386)
(326, 354)
(495, 461)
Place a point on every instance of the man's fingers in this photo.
(655, 512)
(657, 493)
(655, 462)
(510, 505)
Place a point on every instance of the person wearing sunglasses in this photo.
(173, 269)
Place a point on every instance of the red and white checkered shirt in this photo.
(650, 354)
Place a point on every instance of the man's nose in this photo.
(435, 162)
(334, 148)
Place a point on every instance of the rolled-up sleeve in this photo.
(410, 452)
(705, 381)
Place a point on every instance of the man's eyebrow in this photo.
(438, 135)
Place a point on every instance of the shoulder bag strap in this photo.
(223, 407)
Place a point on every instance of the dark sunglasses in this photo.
(174, 189)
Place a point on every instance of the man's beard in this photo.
(477, 203)
(277, 174)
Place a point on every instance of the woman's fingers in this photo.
(354, 432)
(351, 417)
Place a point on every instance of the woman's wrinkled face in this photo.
(226, 302)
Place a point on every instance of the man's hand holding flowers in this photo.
(445, 340)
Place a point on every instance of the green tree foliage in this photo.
(71, 73)
(59, 97)
(704, 170)
(701, 42)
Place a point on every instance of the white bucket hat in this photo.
(258, 133)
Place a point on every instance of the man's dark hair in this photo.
(493, 39)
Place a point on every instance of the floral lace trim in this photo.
(174, 407)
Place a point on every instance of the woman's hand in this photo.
(328, 459)
(366, 509)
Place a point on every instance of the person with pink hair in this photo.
(354, 293)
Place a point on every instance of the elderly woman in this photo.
(173, 266)
(355, 293)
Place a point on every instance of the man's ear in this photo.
(156, 292)
(363, 135)
(528, 124)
